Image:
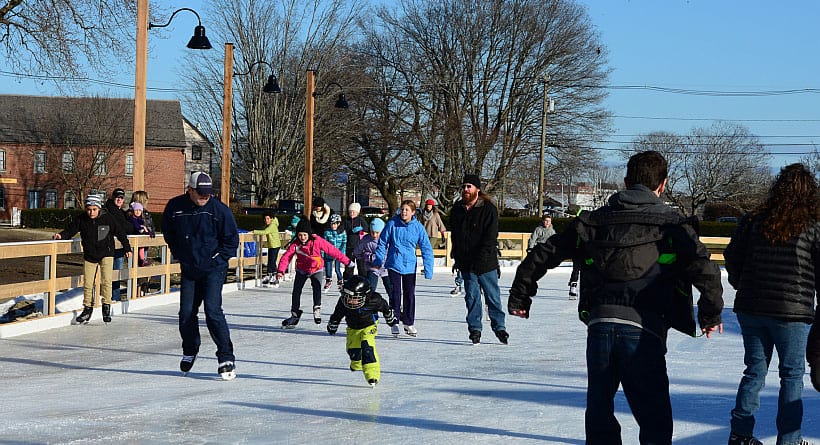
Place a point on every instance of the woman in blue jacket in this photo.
(397, 252)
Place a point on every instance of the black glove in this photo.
(815, 376)
(390, 318)
(348, 273)
(332, 327)
(519, 305)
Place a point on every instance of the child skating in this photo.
(359, 306)
(308, 249)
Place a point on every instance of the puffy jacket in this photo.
(204, 238)
(775, 280)
(271, 233)
(638, 259)
(366, 251)
(97, 235)
(397, 247)
(474, 235)
(309, 255)
(364, 316)
(338, 238)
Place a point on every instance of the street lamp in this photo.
(198, 41)
(272, 86)
(311, 94)
(548, 106)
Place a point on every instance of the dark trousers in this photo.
(621, 354)
(403, 296)
(373, 281)
(195, 289)
(273, 253)
(299, 283)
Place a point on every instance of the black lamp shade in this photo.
(199, 41)
(272, 86)
(341, 102)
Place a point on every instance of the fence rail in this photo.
(511, 246)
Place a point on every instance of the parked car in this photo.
(373, 212)
(728, 219)
(256, 210)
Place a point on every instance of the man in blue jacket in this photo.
(202, 235)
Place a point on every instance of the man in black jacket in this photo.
(97, 230)
(637, 256)
(113, 206)
(474, 233)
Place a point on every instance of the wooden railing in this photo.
(511, 245)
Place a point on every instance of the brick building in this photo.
(56, 150)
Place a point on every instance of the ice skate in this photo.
(475, 337)
(290, 323)
(106, 309)
(503, 336)
(411, 331)
(328, 282)
(186, 364)
(373, 383)
(456, 291)
(737, 439)
(275, 282)
(395, 331)
(265, 281)
(573, 291)
(317, 314)
(227, 371)
(85, 315)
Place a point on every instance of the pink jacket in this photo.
(309, 256)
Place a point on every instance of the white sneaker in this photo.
(394, 330)
(411, 330)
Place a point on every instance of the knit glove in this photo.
(519, 305)
(332, 327)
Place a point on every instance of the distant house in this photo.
(56, 150)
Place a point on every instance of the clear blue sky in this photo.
(722, 46)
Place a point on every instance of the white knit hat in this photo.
(354, 207)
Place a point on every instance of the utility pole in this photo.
(548, 106)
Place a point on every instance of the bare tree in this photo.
(723, 162)
(268, 131)
(465, 82)
(63, 36)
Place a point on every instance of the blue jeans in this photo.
(194, 289)
(373, 281)
(329, 262)
(622, 354)
(761, 335)
(119, 260)
(473, 285)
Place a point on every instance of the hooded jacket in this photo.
(638, 259)
(397, 247)
(271, 233)
(204, 238)
(97, 235)
(309, 255)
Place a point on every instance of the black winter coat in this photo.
(120, 217)
(97, 235)
(364, 316)
(474, 234)
(638, 261)
(777, 280)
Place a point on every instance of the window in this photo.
(129, 164)
(69, 200)
(100, 166)
(2, 197)
(39, 164)
(34, 199)
(51, 199)
(2, 160)
(68, 162)
(196, 153)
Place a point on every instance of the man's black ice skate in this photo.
(503, 336)
(186, 363)
(475, 337)
(227, 371)
(317, 314)
(106, 308)
(290, 323)
(85, 315)
(737, 439)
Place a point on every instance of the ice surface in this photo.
(120, 383)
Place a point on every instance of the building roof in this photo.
(87, 121)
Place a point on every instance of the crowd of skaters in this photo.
(632, 255)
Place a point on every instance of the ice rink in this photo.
(120, 383)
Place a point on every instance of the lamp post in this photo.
(548, 106)
(198, 41)
(310, 106)
(272, 86)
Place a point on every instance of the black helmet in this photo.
(355, 292)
